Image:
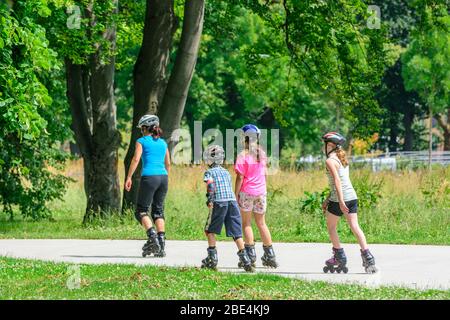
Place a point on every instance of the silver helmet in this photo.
(148, 120)
(214, 154)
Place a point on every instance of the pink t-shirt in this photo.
(254, 173)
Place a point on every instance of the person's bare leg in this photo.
(146, 222)
(247, 227)
(160, 225)
(211, 239)
(266, 237)
(332, 221)
(240, 244)
(352, 220)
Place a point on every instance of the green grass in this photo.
(403, 215)
(29, 279)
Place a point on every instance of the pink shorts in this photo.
(249, 203)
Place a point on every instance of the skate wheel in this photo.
(144, 254)
(371, 269)
(332, 270)
(249, 269)
(338, 270)
(345, 269)
(325, 269)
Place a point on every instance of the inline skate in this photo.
(268, 259)
(244, 261)
(152, 245)
(251, 252)
(337, 262)
(162, 244)
(211, 260)
(368, 261)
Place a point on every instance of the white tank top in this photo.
(348, 192)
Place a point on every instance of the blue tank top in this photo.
(153, 156)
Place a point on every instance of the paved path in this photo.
(418, 267)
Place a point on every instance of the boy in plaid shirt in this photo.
(223, 209)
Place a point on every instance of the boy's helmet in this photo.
(148, 120)
(214, 154)
(334, 137)
(251, 128)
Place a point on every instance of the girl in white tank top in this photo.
(346, 185)
(342, 201)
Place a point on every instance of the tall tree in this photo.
(333, 51)
(88, 50)
(149, 75)
(32, 115)
(401, 107)
(176, 93)
(153, 91)
(426, 69)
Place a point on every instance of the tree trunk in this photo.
(180, 79)
(90, 92)
(393, 143)
(430, 137)
(149, 76)
(408, 119)
(445, 125)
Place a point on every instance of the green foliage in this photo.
(435, 188)
(244, 74)
(32, 120)
(312, 203)
(425, 63)
(72, 32)
(333, 52)
(45, 280)
(368, 188)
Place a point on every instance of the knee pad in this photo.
(157, 215)
(140, 215)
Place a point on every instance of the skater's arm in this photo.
(133, 165)
(210, 189)
(238, 185)
(167, 161)
(333, 168)
(325, 204)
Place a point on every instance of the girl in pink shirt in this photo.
(251, 167)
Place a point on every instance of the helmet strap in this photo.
(331, 151)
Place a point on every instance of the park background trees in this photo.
(302, 67)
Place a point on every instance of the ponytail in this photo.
(342, 156)
(156, 131)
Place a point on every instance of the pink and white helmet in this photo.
(334, 137)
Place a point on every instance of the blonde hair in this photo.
(342, 156)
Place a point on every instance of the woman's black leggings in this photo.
(152, 192)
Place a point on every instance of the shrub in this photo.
(368, 188)
(435, 187)
(32, 120)
(312, 203)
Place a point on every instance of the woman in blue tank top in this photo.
(154, 183)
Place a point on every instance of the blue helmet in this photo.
(251, 128)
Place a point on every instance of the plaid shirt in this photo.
(222, 180)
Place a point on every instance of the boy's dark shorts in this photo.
(333, 207)
(226, 212)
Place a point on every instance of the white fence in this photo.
(391, 160)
